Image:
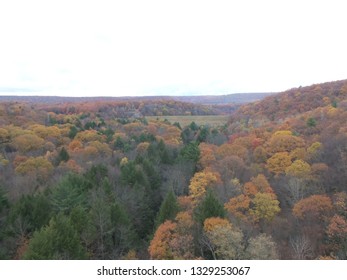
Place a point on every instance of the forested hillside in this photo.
(98, 180)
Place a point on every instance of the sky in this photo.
(135, 48)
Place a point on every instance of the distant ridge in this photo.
(295, 101)
(237, 98)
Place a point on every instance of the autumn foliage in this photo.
(127, 179)
(316, 206)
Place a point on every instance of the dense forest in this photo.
(98, 180)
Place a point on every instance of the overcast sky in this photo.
(94, 48)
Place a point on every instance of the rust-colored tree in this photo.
(239, 206)
(314, 206)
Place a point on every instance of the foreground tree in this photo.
(159, 248)
(262, 247)
(222, 240)
(337, 233)
(173, 239)
(57, 241)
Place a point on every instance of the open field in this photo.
(212, 120)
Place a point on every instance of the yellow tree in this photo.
(4, 136)
(200, 182)
(89, 135)
(284, 141)
(38, 166)
(279, 162)
(28, 142)
(265, 208)
(46, 131)
(213, 222)
(314, 150)
(3, 161)
(102, 148)
(299, 169)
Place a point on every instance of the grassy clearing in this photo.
(211, 120)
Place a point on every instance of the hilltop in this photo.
(295, 101)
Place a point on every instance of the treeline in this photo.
(156, 107)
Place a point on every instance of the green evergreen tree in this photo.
(152, 151)
(153, 177)
(96, 174)
(119, 143)
(3, 199)
(28, 214)
(70, 192)
(193, 126)
(161, 145)
(311, 122)
(109, 134)
(209, 207)
(132, 174)
(63, 155)
(187, 135)
(204, 132)
(191, 152)
(168, 209)
(57, 241)
(123, 234)
(73, 131)
(3, 205)
(81, 219)
(177, 124)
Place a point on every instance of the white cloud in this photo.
(164, 47)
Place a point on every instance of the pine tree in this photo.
(64, 155)
(58, 240)
(123, 235)
(3, 199)
(168, 209)
(209, 207)
(191, 152)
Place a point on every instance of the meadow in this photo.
(211, 120)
